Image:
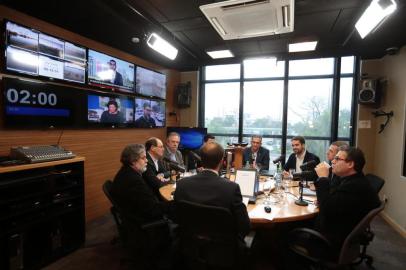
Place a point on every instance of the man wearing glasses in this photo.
(342, 208)
(155, 175)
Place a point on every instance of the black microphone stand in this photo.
(300, 201)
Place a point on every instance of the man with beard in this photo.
(299, 156)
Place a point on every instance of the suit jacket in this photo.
(291, 163)
(136, 200)
(178, 157)
(262, 157)
(209, 189)
(142, 122)
(118, 80)
(343, 208)
(150, 175)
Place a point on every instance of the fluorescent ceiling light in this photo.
(220, 54)
(162, 46)
(377, 11)
(302, 46)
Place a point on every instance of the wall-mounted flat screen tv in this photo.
(32, 104)
(31, 52)
(149, 113)
(107, 71)
(190, 138)
(110, 110)
(150, 83)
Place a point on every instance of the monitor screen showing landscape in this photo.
(150, 83)
(31, 52)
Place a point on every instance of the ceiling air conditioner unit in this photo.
(236, 19)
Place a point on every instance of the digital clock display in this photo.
(37, 104)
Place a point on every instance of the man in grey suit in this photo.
(171, 150)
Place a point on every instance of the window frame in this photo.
(336, 76)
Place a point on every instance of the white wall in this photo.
(385, 151)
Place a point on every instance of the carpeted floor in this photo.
(388, 250)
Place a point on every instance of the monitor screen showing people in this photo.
(110, 110)
(149, 113)
(105, 70)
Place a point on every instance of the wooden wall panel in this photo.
(102, 147)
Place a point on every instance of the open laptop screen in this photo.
(246, 179)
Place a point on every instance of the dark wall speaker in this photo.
(369, 93)
(184, 95)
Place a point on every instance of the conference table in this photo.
(285, 210)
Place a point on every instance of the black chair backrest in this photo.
(115, 210)
(375, 181)
(351, 246)
(208, 233)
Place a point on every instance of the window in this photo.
(344, 118)
(222, 107)
(322, 66)
(263, 68)
(278, 104)
(263, 108)
(309, 107)
(223, 72)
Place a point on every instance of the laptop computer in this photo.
(247, 179)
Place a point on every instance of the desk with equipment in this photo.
(283, 210)
(42, 214)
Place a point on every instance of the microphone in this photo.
(196, 156)
(302, 175)
(279, 159)
(174, 165)
(308, 165)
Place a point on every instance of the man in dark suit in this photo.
(138, 205)
(155, 175)
(299, 156)
(208, 188)
(116, 77)
(343, 208)
(145, 121)
(330, 154)
(256, 155)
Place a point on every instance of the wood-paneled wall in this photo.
(101, 148)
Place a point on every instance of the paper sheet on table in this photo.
(259, 212)
(246, 180)
(266, 185)
(245, 200)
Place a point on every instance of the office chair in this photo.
(313, 246)
(140, 240)
(375, 181)
(114, 211)
(208, 237)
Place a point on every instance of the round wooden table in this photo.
(283, 211)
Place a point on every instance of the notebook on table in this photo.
(247, 180)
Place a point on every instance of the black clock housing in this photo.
(33, 104)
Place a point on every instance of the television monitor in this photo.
(150, 83)
(110, 110)
(190, 138)
(149, 113)
(107, 71)
(32, 52)
(32, 104)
